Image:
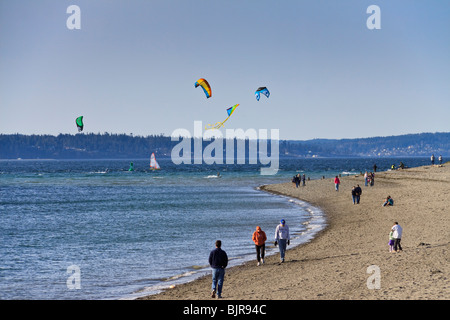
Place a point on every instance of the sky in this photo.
(132, 65)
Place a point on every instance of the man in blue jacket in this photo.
(218, 260)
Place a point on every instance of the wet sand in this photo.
(341, 262)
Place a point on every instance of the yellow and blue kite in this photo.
(220, 124)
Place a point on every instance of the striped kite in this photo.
(205, 86)
(220, 124)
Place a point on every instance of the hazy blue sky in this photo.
(132, 66)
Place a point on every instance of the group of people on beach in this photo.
(297, 179)
(432, 159)
(369, 179)
(218, 259)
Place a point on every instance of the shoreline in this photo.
(338, 262)
(315, 224)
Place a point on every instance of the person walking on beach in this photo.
(337, 182)
(397, 232)
(358, 192)
(432, 159)
(296, 180)
(282, 238)
(354, 195)
(371, 179)
(440, 160)
(391, 241)
(218, 260)
(259, 238)
(303, 180)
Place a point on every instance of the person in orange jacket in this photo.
(259, 238)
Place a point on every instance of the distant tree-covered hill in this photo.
(122, 146)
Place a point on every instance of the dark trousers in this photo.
(397, 245)
(260, 252)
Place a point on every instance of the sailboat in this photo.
(153, 163)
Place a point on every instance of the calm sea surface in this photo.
(74, 229)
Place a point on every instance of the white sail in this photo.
(154, 165)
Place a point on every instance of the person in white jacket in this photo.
(282, 238)
(397, 235)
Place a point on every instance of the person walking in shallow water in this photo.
(259, 238)
(282, 238)
(218, 260)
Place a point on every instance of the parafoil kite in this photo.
(79, 122)
(262, 90)
(220, 124)
(205, 86)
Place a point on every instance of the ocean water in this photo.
(129, 234)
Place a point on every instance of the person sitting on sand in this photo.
(388, 202)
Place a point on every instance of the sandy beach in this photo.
(343, 260)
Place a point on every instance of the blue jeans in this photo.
(217, 280)
(282, 246)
